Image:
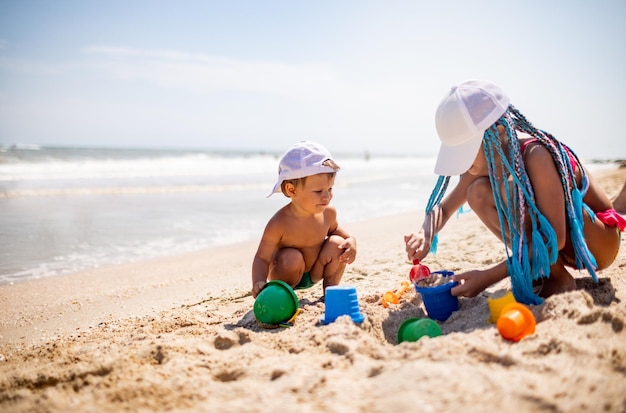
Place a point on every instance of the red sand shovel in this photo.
(418, 271)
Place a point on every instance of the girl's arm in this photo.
(548, 189)
(472, 283)
(418, 244)
(596, 198)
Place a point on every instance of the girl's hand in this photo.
(471, 283)
(417, 246)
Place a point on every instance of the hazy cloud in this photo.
(203, 73)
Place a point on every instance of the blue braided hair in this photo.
(435, 198)
(573, 195)
(529, 256)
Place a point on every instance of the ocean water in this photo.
(67, 209)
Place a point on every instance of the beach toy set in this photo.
(438, 301)
(277, 305)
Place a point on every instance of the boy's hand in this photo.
(257, 287)
(349, 250)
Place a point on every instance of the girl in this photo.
(528, 188)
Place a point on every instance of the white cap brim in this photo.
(276, 188)
(315, 169)
(456, 160)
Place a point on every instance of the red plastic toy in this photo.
(418, 271)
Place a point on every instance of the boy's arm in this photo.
(341, 232)
(348, 245)
(261, 262)
(333, 225)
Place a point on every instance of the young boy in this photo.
(303, 243)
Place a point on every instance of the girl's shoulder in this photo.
(526, 141)
(534, 154)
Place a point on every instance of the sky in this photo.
(354, 75)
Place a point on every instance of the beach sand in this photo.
(179, 334)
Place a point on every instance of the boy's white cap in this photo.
(462, 118)
(305, 158)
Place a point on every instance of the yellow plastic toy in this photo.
(496, 305)
(391, 297)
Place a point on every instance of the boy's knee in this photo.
(289, 260)
(330, 250)
(332, 245)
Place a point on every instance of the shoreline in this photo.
(37, 310)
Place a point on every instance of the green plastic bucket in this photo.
(276, 303)
(413, 329)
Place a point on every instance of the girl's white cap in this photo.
(462, 118)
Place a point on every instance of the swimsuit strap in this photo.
(572, 159)
(528, 142)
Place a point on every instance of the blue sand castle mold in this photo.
(439, 302)
(341, 300)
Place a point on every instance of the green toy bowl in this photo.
(276, 303)
(415, 328)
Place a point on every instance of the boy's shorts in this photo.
(305, 282)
